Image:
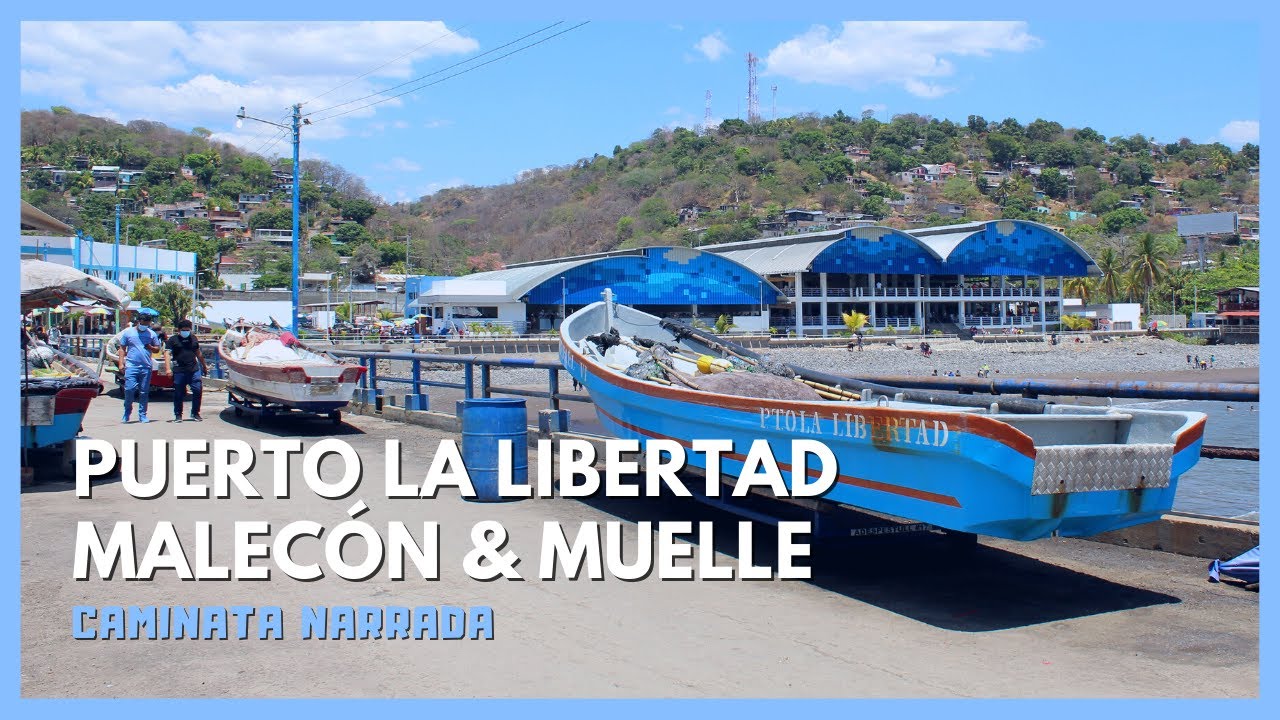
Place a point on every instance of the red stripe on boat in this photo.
(842, 479)
(1189, 436)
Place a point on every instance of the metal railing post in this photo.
(553, 385)
(484, 380)
(468, 379)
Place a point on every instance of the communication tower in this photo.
(753, 96)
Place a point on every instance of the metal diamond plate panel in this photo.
(1086, 468)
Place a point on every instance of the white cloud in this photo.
(1239, 132)
(875, 107)
(912, 55)
(712, 46)
(433, 124)
(186, 74)
(399, 164)
(673, 110)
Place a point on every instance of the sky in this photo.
(416, 106)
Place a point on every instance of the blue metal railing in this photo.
(373, 384)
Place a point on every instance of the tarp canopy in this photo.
(46, 284)
(1246, 567)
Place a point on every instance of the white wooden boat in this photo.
(275, 367)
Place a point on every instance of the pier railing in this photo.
(477, 377)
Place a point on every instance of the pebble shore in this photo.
(1120, 358)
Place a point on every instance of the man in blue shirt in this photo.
(136, 345)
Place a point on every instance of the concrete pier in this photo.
(882, 617)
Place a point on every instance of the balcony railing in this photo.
(1240, 306)
(1015, 320)
(913, 293)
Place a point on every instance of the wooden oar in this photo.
(821, 388)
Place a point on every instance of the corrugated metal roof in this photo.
(781, 258)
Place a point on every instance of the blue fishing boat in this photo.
(1018, 469)
(55, 388)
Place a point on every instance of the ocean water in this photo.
(1226, 488)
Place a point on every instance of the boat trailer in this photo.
(258, 407)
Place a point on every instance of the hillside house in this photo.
(178, 212)
(796, 215)
(857, 153)
(250, 201)
(689, 213)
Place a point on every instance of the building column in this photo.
(919, 305)
(822, 285)
(799, 304)
(1044, 321)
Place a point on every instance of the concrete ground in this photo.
(892, 617)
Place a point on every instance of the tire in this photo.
(239, 411)
(335, 417)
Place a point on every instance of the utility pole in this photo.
(294, 128)
(115, 261)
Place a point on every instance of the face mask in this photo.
(185, 333)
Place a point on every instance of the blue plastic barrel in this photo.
(486, 421)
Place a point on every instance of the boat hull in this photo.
(310, 388)
(70, 406)
(956, 470)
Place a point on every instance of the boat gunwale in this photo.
(1191, 431)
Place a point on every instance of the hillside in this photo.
(674, 187)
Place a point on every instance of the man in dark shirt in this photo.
(186, 363)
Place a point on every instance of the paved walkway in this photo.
(882, 618)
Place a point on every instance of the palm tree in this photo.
(1150, 263)
(1177, 281)
(854, 320)
(1081, 287)
(1111, 269)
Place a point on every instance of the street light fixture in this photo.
(241, 116)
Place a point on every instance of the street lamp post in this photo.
(115, 261)
(294, 127)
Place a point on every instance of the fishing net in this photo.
(771, 387)
(770, 366)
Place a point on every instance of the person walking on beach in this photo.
(1188, 358)
(134, 356)
(186, 363)
(1212, 359)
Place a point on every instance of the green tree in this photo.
(1122, 219)
(358, 209)
(1080, 287)
(1105, 201)
(364, 263)
(1043, 130)
(875, 206)
(1110, 273)
(272, 218)
(1088, 182)
(173, 301)
(960, 190)
(1053, 183)
(1004, 149)
(977, 124)
(1150, 264)
(1088, 135)
(352, 234)
(159, 170)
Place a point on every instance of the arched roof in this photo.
(996, 247)
(1017, 247)
(643, 276)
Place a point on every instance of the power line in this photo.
(461, 72)
(431, 42)
(437, 72)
